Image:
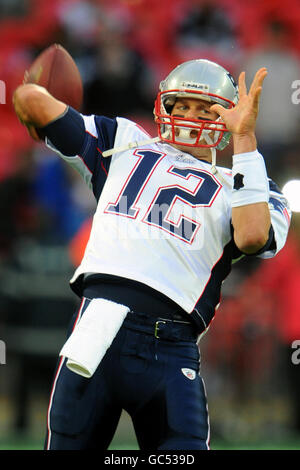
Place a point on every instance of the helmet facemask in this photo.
(186, 131)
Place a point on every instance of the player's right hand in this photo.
(23, 109)
(32, 131)
(241, 120)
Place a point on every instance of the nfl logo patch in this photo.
(189, 373)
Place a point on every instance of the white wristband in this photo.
(249, 179)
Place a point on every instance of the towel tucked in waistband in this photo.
(93, 335)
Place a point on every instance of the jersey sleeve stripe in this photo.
(103, 168)
(90, 126)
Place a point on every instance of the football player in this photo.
(168, 225)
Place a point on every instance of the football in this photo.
(55, 69)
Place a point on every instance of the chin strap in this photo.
(133, 145)
(213, 151)
(213, 161)
(214, 169)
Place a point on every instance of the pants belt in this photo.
(161, 328)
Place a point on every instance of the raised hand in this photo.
(241, 120)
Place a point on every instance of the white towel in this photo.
(93, 335)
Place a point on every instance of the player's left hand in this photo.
(241, 120)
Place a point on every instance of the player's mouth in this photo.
(184, 133)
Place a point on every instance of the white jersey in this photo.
(163, 218)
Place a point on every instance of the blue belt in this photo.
(161, 328)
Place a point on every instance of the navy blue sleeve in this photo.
(67, 133)
(85, 138)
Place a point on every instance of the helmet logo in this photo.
(199, 86)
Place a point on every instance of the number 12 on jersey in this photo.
(172, 205)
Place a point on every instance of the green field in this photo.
(27, 443)
(256, 431)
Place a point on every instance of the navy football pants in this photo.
(142, 375)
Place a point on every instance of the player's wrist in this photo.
(250, 181)
(244, 143)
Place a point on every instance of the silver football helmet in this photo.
(200, 79)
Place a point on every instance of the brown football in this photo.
(55, 69)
